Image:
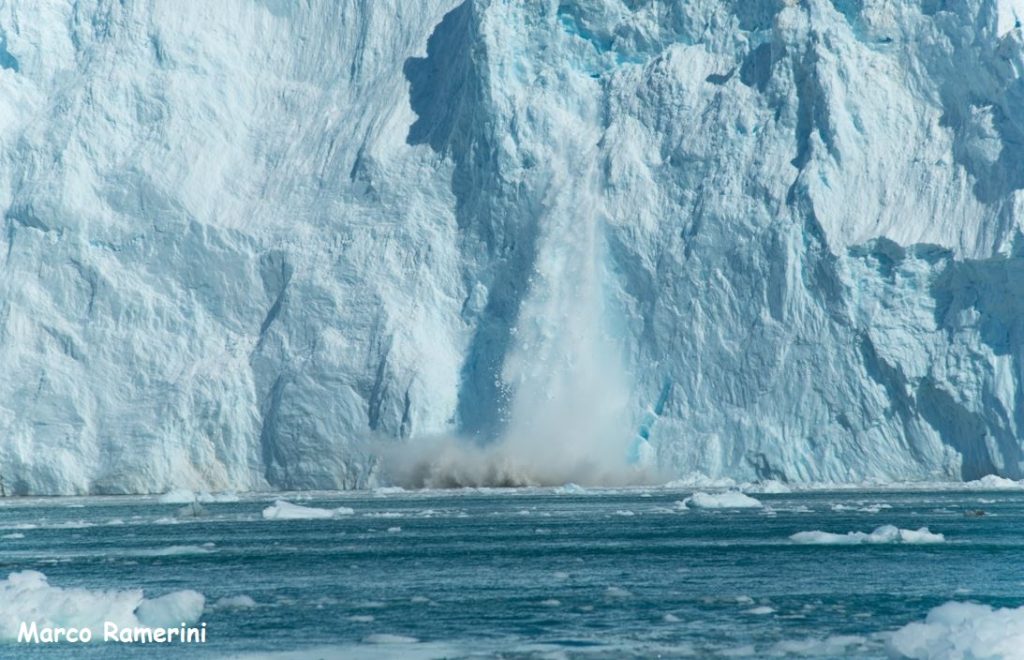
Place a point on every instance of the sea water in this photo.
(564, 572)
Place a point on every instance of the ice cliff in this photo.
(260, 244)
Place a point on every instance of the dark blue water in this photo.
(527, 573)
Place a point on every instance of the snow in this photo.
(883, 534)
(283, 510)
(962, 630)
(28, 596)
(728, 500)
(665, 246)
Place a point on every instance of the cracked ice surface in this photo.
(251, 244)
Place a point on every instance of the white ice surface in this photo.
(28, 596)
(727, 500)
(284, 510)
(962, 630)
(883, 534)
(690, 238)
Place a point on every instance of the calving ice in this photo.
(33, 633)
(742, 240)
(471, 328)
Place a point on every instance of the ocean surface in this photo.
(532, 573)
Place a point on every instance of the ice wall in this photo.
(261, 244)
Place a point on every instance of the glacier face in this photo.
(261, 244)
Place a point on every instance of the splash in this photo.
(569, 417)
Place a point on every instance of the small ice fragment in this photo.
(616, 592)
(993, 482)
(217, 498)
(384, 638)
(178, 496)
(769, 487)
(234, 603)
(962, 630)
(394, 530)
(883, 534)
(283, 510)
(763, 609)
(728, 500)
(191, 510)
(171, 609)
(388, 490)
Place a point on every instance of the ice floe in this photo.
(182, 496)
(239, 602)
(883, 534)
(992, 482)
(962, 630)
(28, 595)
(283, 510)
(730, 499)
(384, 638)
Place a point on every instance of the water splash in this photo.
(569, 416)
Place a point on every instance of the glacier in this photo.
(256, 245)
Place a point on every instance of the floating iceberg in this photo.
(992, 482)
(28, 596)
(728, 500)
(962, 630)
(883, 534)
(282, 510)
(234, 603)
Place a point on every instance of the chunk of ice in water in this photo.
(883, 534)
